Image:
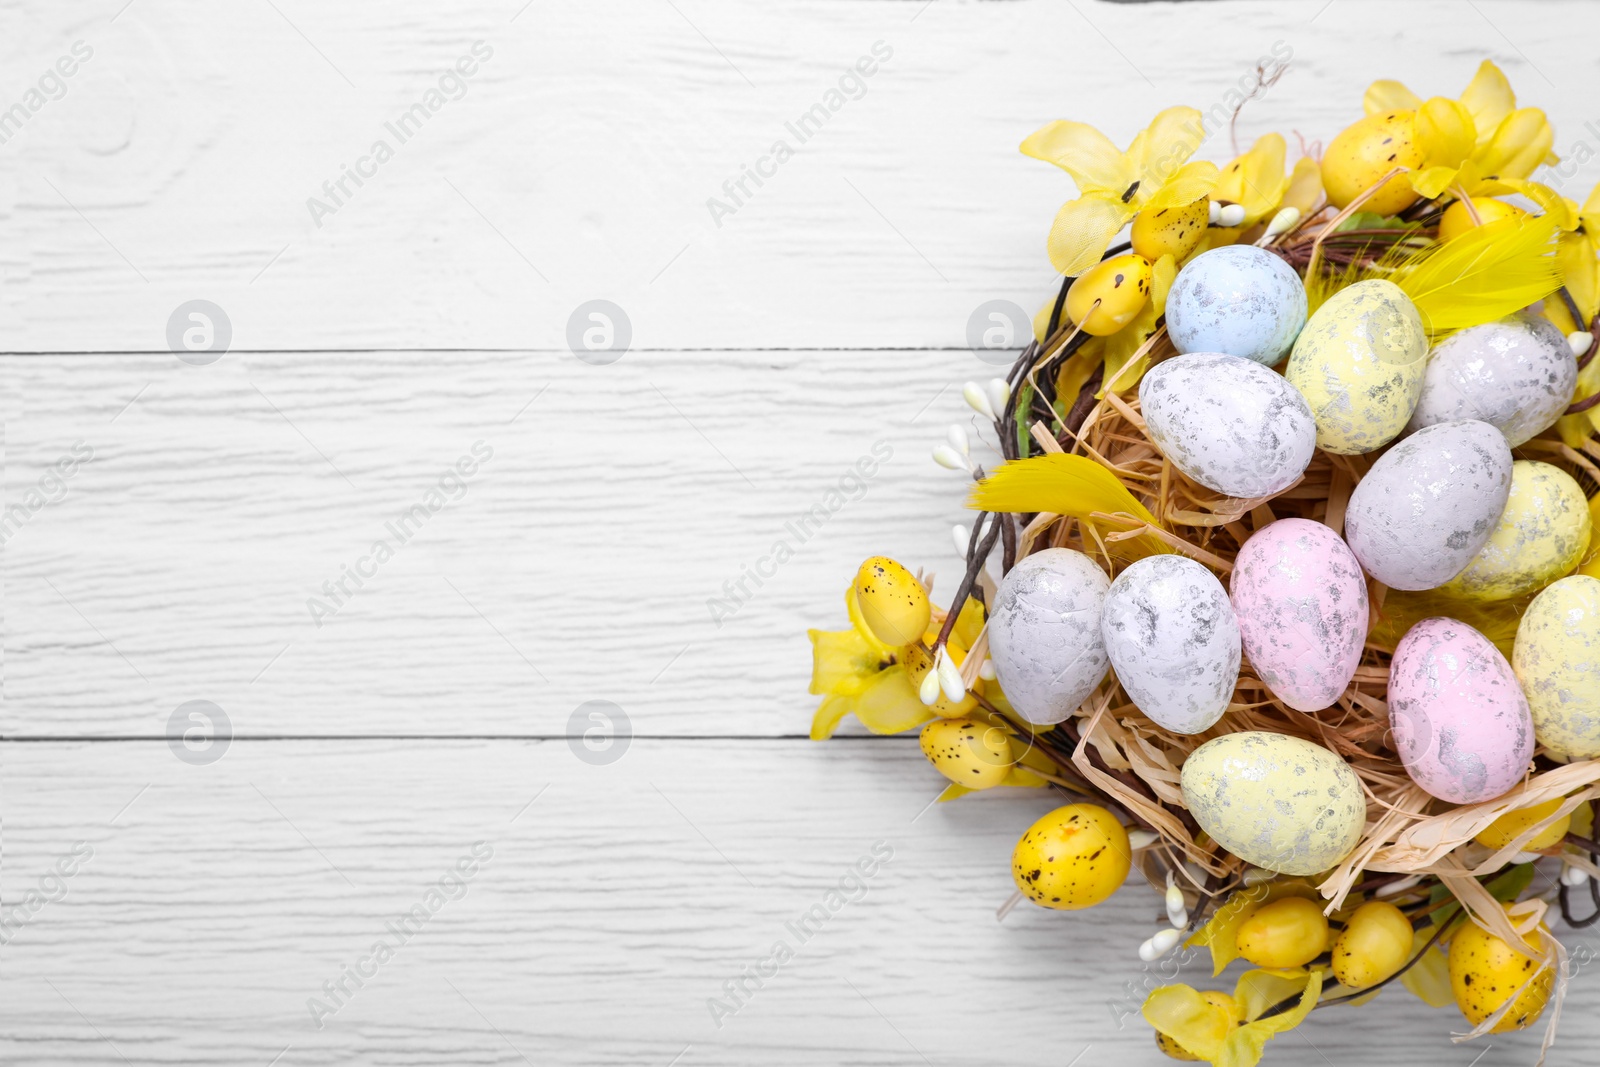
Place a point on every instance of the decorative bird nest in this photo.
(1432, 884)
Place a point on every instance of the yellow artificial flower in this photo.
(1188, 1018)
(1578, 253)
(1115, 186)
(1482, 143)
(1256, 180)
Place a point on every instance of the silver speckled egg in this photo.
(1516, 374)
(1044, 633)
(1429, 504)
(1237, 299)
(1228, 422)
(1172, 638)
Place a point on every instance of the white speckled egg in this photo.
(1541, 535)
(1172, 639)
(1429, 504)
(1460, 721)
(1557, 660)
(1276, 801)
(1044, 633)
(1237, 299)
(1359, 363)
(1228, 422)
(1301, 601)
(1516, 374)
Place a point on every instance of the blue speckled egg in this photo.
(1237, 299)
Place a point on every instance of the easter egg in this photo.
(1044, 633)
(1485, 972)
(1429, 504)
(893, 603)
(1172, 639)
(1359, 363)
(1121, 285)
(1455, 221)
(1170, 231)
(1301, 601)
(1557, 659)
(1276, 801)
(969, 753)
(1364, 152)
(1516, 374)
(1074, 857)
(1374, 944)
(1228, 422)
(1237, 299)
(1290, 932)
(1541, 535)
(1508, 827)
(1460, 721)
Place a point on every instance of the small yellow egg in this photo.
(1502, 831)
(1364, 152)
(1290, 932)
(1485, 972)
(1170, 231)
(1540, 536)
(1221, 1021)
(971, 754)
(1455, 221)
(1121, 285)
(1074, 857)
(1374, 944)
(893, 603)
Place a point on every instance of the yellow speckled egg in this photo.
(1455, 221)
(1074, 857)
(1121, 284)
(1504, 830)
(1170, 231)
(1557, 661)
(1374, 944)
(1541, 535)
(1276, 801)
(1364, 152)
(893, 603)
(1222, 1018)
(1285, 933)
(971, 754)
(1359, 363)
(1485, 972)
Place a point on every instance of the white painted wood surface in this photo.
(373, 352)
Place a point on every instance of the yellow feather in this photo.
(1486, 273)
(1064, 485)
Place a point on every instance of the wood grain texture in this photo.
(580, 159)
(216, 902)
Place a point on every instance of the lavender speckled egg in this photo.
(1237, 299)
(1557, 660)
(1172, 639)
(1228, 422)
(1460, 722)
(1516, 374)
(1429, 504)
(1044, 633)
(1301, 601)
(1282, 803)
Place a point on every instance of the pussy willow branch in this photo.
(977, 552)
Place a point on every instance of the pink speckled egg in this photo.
(1460, 721)
(1301, 601)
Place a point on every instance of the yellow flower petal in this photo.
(888, 703)
(1429, 978)
(841, 662)
(829, 714)
(1518, 145)
(1389, 95)
(1085, 153)
(1160, 149)
(1305, 186)
(1027, 779)
(953, 791)
(1082, 230)
(1576, 429)
(1432, 181)
(1581, 276)
(1489, 98)
(1591, 206)
(1180, 1012)
(1446, 132)
(1243, 1047)
(1256, 179)
(1188, 184)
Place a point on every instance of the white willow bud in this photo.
(957, 436)
(959, 536)
(977, 400)
(1177, 908)
(1159, 944)
(1283, 221)
(928, 692)
(1232, 215)
(986, 670)
(945, 456)
(1580, 340)
(1142, 838)
(949, 676)
(1216, 209)
(1400, 886)
(999, 394)
(1573, 876)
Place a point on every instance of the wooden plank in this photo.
(579, 162)
(218, 899)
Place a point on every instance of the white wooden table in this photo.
(376, 735)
